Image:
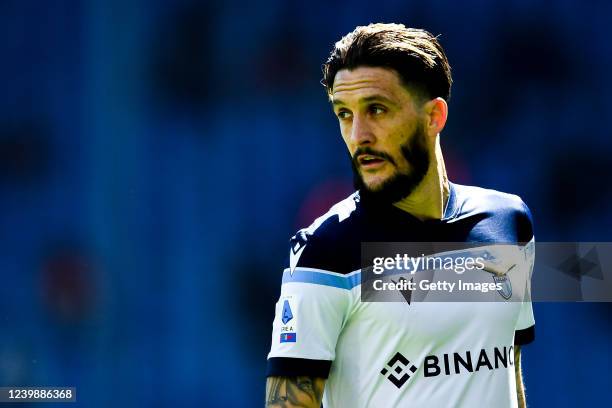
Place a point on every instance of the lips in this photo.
(369, 161)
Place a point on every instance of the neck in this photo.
(428, 200)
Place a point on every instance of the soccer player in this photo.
(389, 86)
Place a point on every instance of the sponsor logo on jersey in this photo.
(400, 370)
(288, 338)
(446, 364)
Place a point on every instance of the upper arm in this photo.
(309, 317)
(313, 306)
(290, 392)
(517, 370)
(520, 387)
(312, 309)
(517, 360)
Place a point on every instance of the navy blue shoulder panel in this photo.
(473, 214)
(491, 216)
(324, 244)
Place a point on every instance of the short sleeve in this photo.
(310, 314)
(524, 332)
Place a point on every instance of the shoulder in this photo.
(328, 242)
(507, 211)
(474, 198)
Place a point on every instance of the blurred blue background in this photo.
(156, 156)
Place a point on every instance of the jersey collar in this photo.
(452, 207)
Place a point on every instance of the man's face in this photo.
(383, 129)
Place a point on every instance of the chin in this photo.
(376, 184)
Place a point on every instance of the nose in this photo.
(361, 133)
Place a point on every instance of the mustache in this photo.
(372, 152)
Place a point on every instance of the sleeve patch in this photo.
(289, 318)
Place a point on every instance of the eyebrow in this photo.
(368, 99)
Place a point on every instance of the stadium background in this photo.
(156, 156)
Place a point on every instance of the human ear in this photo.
(437, 113)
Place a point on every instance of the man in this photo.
(389, 86)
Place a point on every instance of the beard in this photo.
(400, 184)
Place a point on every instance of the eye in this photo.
(343, 114)
(377, 109)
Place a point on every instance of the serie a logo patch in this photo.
(287, 313)
(288, 328)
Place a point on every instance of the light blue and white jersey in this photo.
(404, 353)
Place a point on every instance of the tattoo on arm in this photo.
(290, 392)
(520, 388)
